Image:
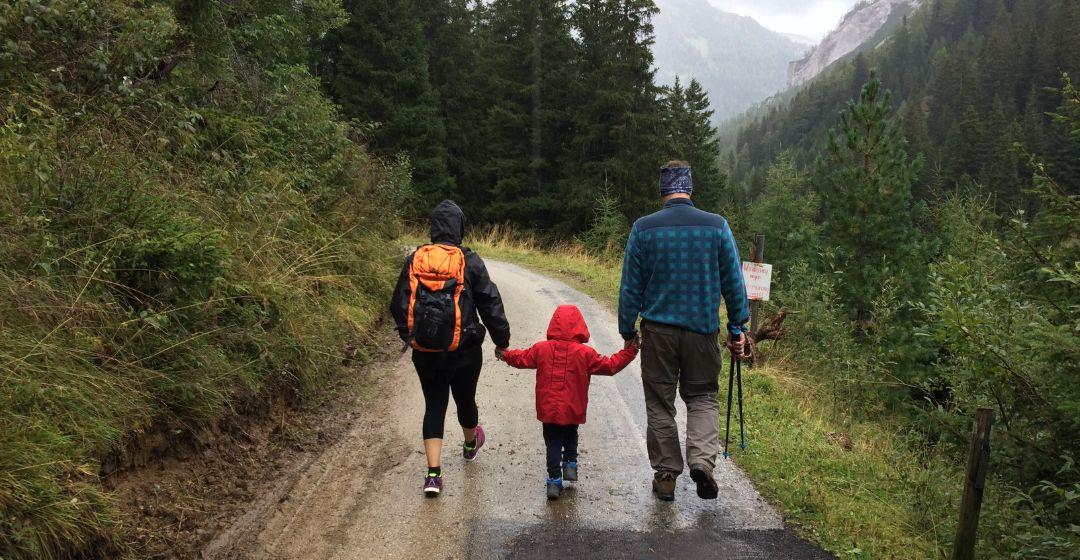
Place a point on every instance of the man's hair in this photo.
(677, 164)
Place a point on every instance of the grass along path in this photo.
(855, 486)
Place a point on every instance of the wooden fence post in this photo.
(974, 483)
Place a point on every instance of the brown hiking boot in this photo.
(664, 487)
(706, 484)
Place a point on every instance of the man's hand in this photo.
(635, 342)
(739, 346)
(499, 354)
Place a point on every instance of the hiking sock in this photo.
(471, 445)
(434, 471)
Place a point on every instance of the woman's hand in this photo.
(499, 354)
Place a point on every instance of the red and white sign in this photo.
(758, 278)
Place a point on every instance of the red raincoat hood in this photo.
(567, 324)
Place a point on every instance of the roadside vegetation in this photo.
(908, 316)
(850, 472)
(186, 228)
(856, 486)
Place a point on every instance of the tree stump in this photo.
(773, 329)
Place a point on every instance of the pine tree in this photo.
(528, 58)
(786, 212)
(376, 68)
(864, 181)
(452, 31)
(617, 139)
(690, 136)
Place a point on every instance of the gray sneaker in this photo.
(554, 488)
(569, 471)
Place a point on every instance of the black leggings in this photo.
(561, 446)
(443, 372)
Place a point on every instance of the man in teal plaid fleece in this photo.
(678, 263)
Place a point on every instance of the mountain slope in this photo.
(865, 26)
(969, 79)
(738, 61)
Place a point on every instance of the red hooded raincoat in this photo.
(564, 365)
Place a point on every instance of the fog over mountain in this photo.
(735, 58)
(806, 18)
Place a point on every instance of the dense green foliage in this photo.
(185, 226)
(969, 78)
(925, 315)
(546, 104)
(864, 182)
(690, 136)
(377, 66)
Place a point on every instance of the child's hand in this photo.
(499, 352)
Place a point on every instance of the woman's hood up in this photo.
(447, 223)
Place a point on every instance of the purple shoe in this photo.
(470, 454)
(432, 486)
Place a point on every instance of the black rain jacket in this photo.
(481, 295)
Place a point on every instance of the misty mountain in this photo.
(864, 27)
(736, 59)
(800, 39)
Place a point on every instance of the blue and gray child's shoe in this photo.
(554, 488)
(569, 471)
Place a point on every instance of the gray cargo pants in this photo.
(672, 358)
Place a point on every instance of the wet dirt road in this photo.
(361, 498)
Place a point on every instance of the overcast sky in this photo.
(809, 18)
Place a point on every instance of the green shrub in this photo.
(606, 236)
(187, 225)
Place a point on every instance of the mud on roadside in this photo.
(176, 492)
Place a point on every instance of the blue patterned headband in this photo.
(675, 180)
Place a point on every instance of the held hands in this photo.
(739, 346)
(499, 354)
(633, 342)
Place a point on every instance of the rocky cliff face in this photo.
(865, 26)
(737, 61)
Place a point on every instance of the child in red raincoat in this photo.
(564, 364)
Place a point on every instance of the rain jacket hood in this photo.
(447, 223)
(568, 325)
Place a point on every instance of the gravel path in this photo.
(361, 498)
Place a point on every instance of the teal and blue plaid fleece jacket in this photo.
(678, 263)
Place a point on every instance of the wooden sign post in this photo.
(974, 483)
(757, 256)
(758, 279)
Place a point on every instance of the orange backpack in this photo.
(436, 280)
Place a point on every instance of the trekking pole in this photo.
(742, 435)
(730, 387)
